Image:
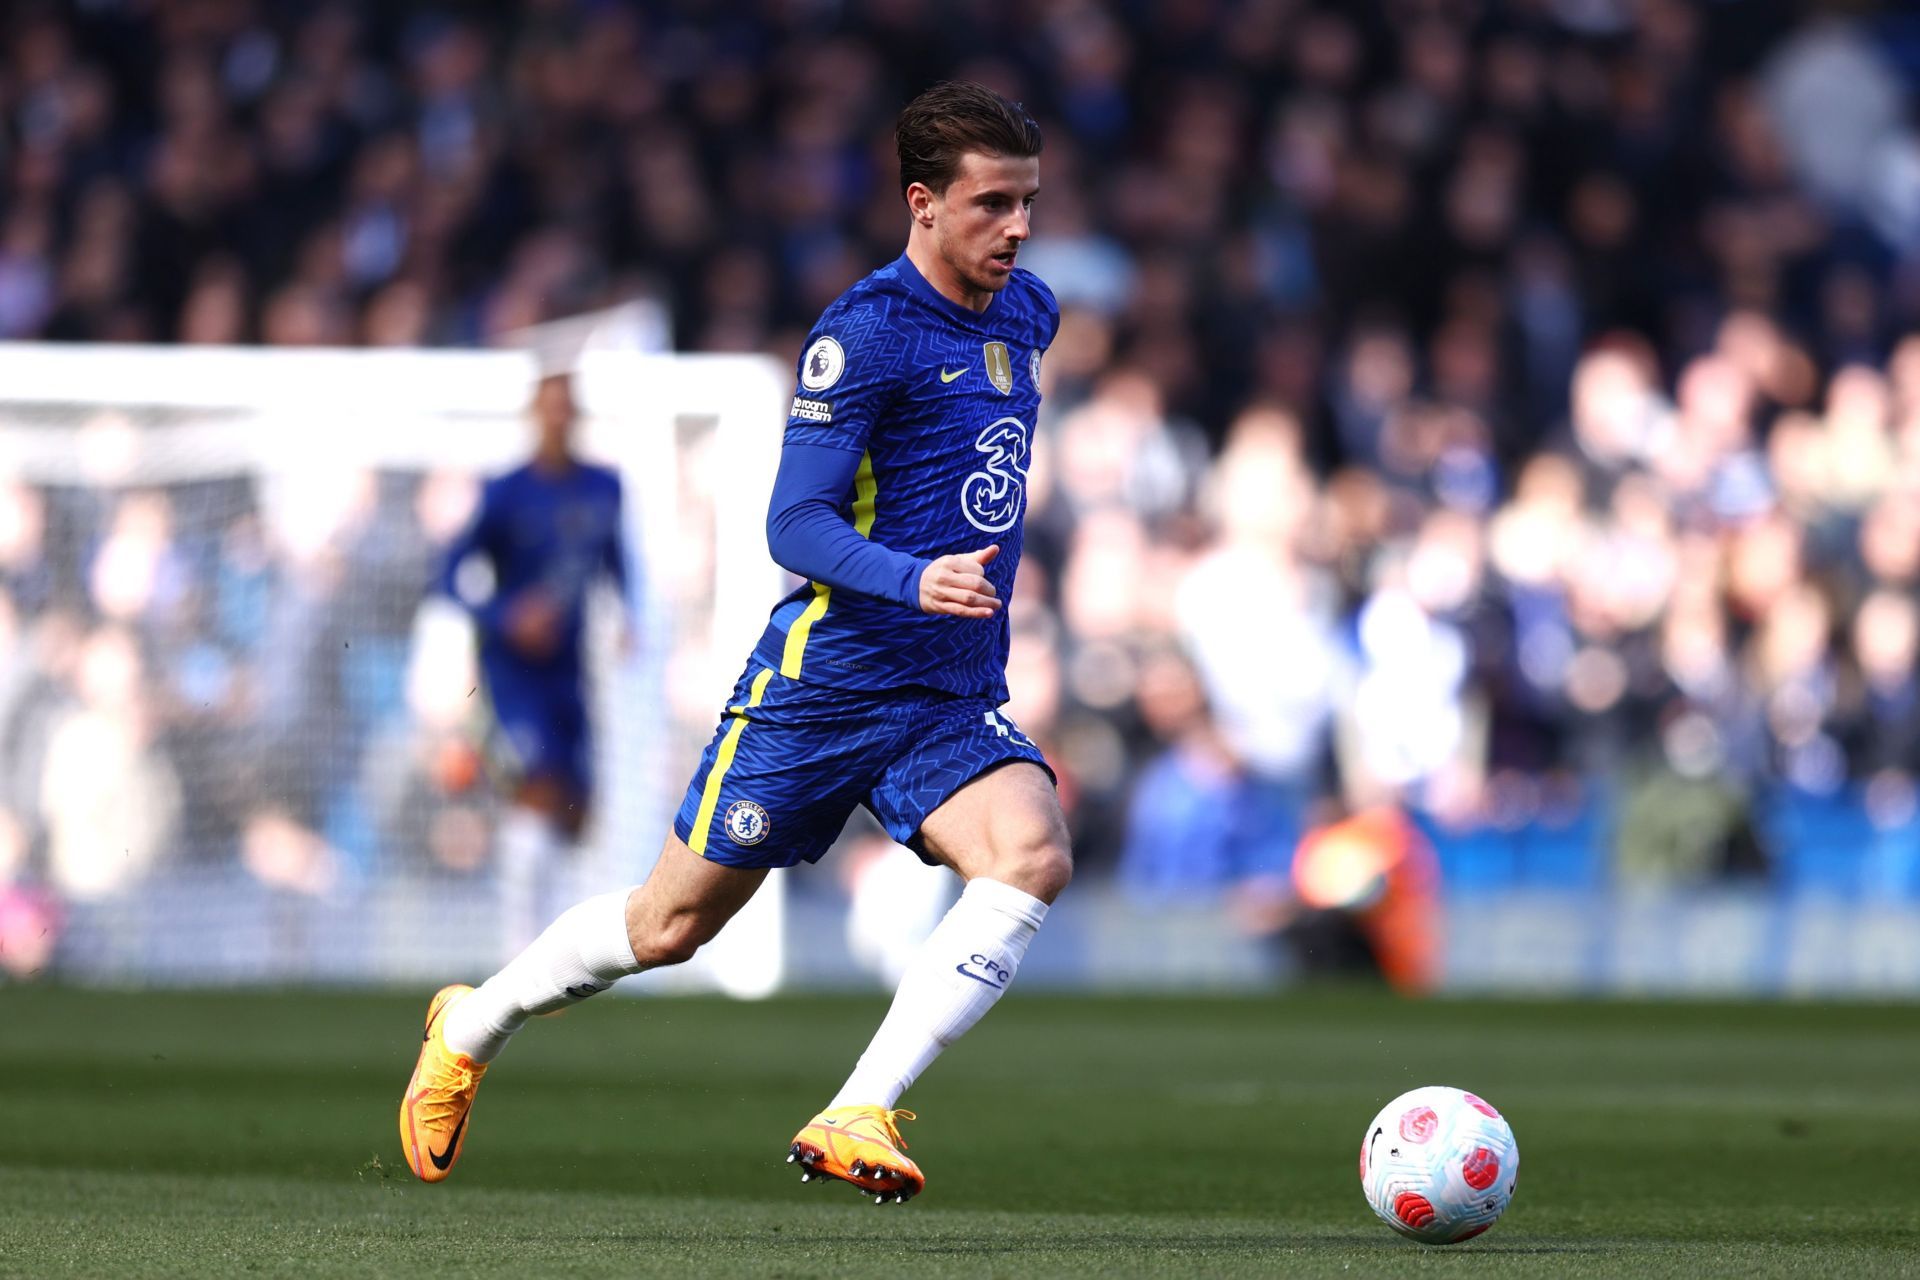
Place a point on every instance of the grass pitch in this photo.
(198, 1134)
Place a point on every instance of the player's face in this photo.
(985, 216)
(553, 413)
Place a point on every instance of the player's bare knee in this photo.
(672, 940)
(1051, 871)
(1038, 861)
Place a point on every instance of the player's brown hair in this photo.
(951, 119)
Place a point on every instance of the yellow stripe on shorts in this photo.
(865, 494)
(722, 761)
(802, 627)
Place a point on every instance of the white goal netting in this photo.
(236, 726)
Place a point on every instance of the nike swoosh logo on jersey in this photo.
(949, 377)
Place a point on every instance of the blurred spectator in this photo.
(1199, 825)
(1877, 708)
(110, 799)
(1260, 619)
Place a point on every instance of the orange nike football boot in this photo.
(861, 1145)
(439, 1098)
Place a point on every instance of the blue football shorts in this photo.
(790, 761)
(541, 715)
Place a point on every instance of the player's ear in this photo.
(920, 203)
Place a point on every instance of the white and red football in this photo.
(1439, 1164)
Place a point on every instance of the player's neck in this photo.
(553, 462)
(945, 280)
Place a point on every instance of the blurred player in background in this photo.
(900, 497)
(548, 531)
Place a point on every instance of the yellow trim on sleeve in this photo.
(865, 496)
(722, 761)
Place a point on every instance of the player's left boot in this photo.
(861, 1145)
(439, 1098)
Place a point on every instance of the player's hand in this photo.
(532, 624)
(958, 585)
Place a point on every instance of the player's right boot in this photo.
(439, 1098)
(861, 1145)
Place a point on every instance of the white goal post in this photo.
(195, 501)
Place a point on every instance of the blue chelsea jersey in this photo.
(551, 533)
(940, 401)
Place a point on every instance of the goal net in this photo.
(237, 729)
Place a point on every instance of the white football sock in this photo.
(964, 966)
(530, 853)
(580, 955)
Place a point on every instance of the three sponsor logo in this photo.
(991, 497)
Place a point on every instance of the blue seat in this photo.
(1572, 856)
(1477, 861)
(1891, 868)
(1819, 842)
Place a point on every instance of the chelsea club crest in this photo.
(746, 822)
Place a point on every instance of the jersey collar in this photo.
(940, 301)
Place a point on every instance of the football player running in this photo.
(899, 498)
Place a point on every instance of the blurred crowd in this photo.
(1502, 410)
(230, 674)
(1245, 198)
